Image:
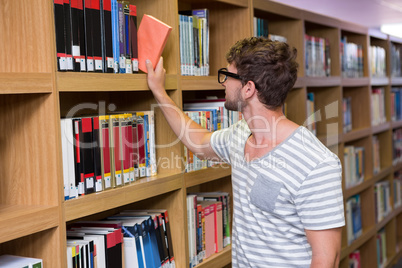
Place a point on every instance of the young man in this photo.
(287, 193)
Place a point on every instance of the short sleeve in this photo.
(220, 143)
(319, 201)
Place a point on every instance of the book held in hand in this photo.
(152, 38)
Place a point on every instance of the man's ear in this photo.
(249, 90)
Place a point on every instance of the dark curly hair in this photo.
(271, 65)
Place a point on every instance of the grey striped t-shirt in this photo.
(296, 186)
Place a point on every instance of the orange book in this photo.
(152, 37)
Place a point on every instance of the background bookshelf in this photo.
(33, 97)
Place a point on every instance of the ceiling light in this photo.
(392, 29)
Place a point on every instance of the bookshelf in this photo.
(33, 97)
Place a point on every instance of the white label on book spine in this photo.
(135, 65)
(129, 70)
(132, 176)
(63, 63)
(98, 65)
(83, 65)
(90, 65)
(109, 61)
(126, 177)
(81, 189)
(90, 182)
(142, 172)
(98, 186)
(107, 182)
(69, 61)
(118, 179)
(76, 50)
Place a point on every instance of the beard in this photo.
(236, 103)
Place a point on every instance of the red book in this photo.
(152, 38)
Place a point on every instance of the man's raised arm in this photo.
(194, 137)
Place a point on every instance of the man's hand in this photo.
(156, 78)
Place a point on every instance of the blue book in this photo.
(115, 35)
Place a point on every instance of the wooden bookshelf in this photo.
(33, 97)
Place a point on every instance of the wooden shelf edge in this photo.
(381, 128)
(19, 220)
(355, 82)
(22, 83)
(331, 81)
(356, 134)
(278, 8)
(219, 259)
(396, 81)
(206, 175)
(396, 124)
(191, 83)
(357, 243)
(140, 190)
(95, 82)
(357, 188)
(379, 81)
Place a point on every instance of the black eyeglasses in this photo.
(223, 75)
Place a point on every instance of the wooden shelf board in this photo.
(109, 199)
(355, 82)
(357, 189)
(379, 81)
(87, 82)
(356, 134)
(396, 81)
(278, 8)
(206, 175)
(190, 83)
(396, 124)
(220, 259)
(384, 221)
(381, 128)
(397, 166)
(367, 234)
(240, 3)
(21, 83)
(19, 220)
(382, 174)
(323, 81)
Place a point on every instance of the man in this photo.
(287, 193)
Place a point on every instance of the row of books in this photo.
(208, 222)
(107, 151)
(351, 59)
(96, 36)
(210, 114)
(381, 245)
(318, 58)
(261, 29)
(382, 200)
(347, 114)
(355, 259)
(12, 261)
(311, 122)
(353, 165)
(397, 146)
(378, 114)
(397, 189)
(377, 56)
(396, 60)
(194, 42)
(353, 215)
(396, 103)
(130, 239)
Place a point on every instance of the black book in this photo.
(68, 35)
(88, 154)
(88, 36)
(133, 41)
(75, 35)
(78, 163)
(96, 35)
(60, 36)
(106, 12)
(97, 154)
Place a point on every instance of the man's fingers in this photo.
(148, 64)
(160, 64)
